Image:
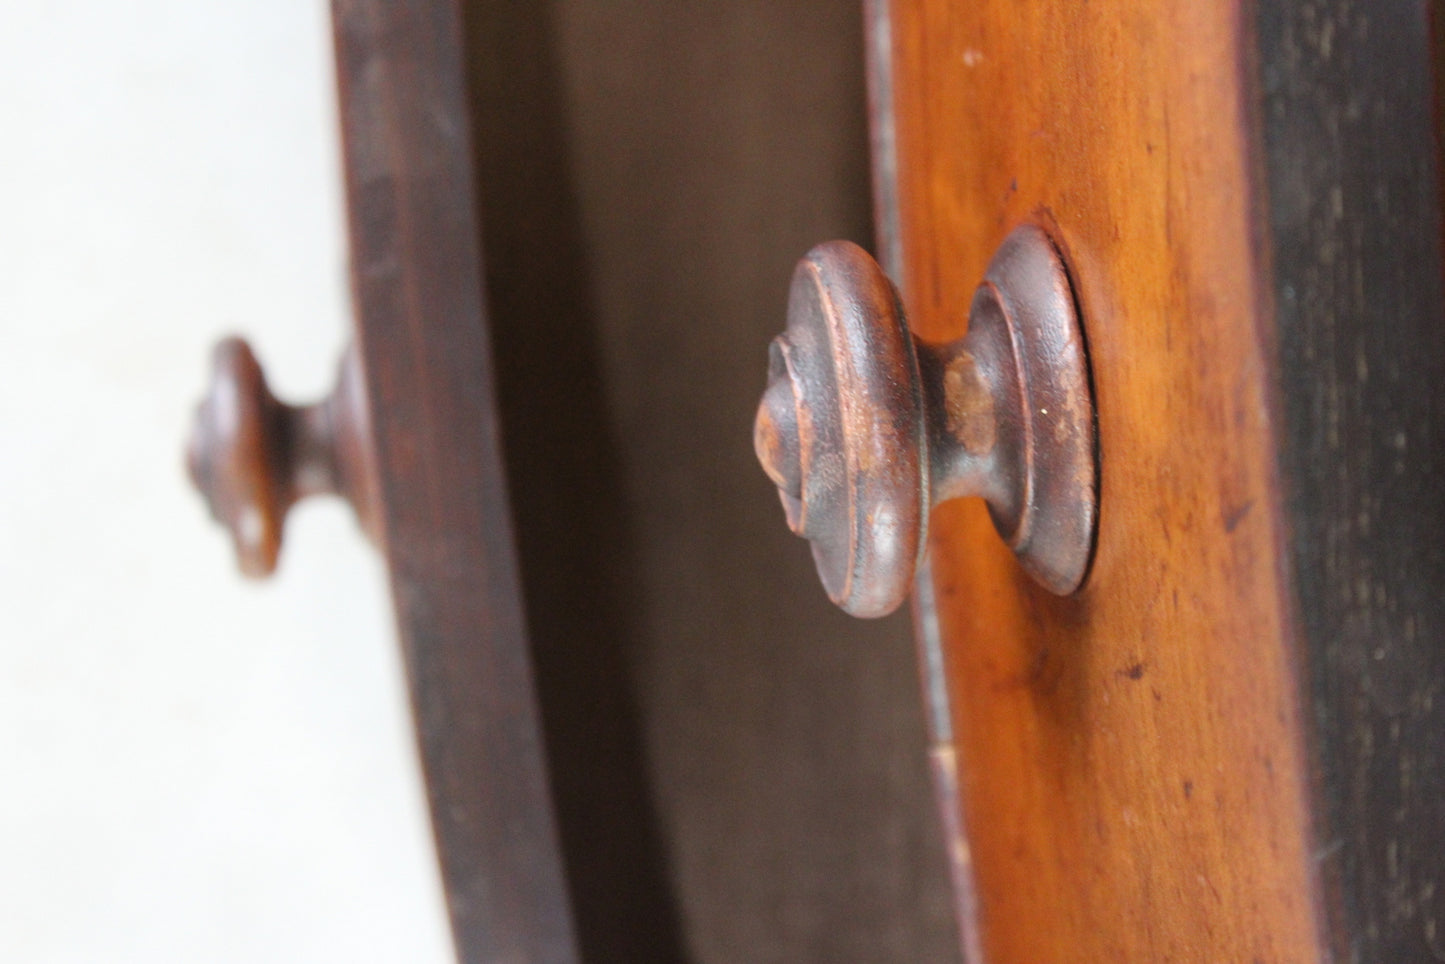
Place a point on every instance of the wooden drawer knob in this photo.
(253, 457)
(864, 427)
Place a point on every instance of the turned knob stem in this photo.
(864, 428)
(253, 457)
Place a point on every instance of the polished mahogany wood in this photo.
(1251, 198)
(1132, 780)
(421, 326)
(253, 457)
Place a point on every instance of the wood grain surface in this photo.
(1131, 772)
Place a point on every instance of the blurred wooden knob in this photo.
(254, 457)
(864, 428)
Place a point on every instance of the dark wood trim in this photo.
(422, 332)
(1353, 241)
(578, 541)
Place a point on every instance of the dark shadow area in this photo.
(740, 769)
(574, 542)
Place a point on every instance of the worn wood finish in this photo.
(1354, 243)
(1130, 767)
(422, 333)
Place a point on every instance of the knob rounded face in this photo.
(234, 454)
(863, 428)
(840, 428)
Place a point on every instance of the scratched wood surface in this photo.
(1132, 775)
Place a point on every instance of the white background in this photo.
(192, 768)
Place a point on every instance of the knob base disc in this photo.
(1052, 523)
